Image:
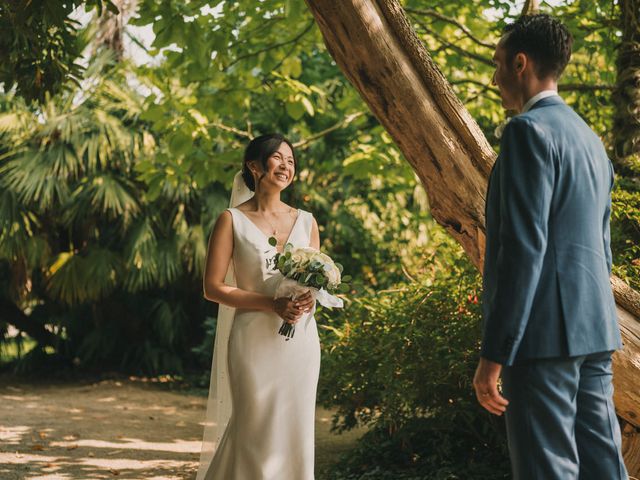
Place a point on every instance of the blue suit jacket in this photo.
(546, 289)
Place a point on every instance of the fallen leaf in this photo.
(114, 472)
(37, 447)
(72, 447)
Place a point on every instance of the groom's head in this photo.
(532, 53)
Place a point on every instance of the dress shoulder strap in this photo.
(236, 222)
(306, 219)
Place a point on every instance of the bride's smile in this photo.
(281, 166)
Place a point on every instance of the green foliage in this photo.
(461, 37)
(108, 192)
(40, 45)
(625, 232)
(88, 253)
(402, 361)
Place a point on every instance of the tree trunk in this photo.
(626, 96)
(110, 28)
(378, 51)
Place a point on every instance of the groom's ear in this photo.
(520, 62)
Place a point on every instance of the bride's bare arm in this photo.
(216, 265)
(315, 235)
(218, 257)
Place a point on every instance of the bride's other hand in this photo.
(287, 309)
(305, 302)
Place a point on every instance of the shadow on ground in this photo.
(113, 429)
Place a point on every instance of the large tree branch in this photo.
(452, 21)
(452, 46)
(304, 143)
(584, 87)
(294, 39)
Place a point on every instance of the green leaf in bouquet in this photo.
(346, 279)
(339, 267)
(273, 241)
(281, 262)
(319, 278)
(288, 247)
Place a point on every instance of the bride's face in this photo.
(280, 168)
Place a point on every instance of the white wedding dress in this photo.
(270, 434)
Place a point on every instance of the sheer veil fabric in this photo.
(219, 401)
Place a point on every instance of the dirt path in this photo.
(113, 429)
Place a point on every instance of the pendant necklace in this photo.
(275, 230)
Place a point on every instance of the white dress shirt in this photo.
(538, 96)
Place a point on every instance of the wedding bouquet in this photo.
(303, 269)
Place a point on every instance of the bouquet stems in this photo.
(287, 330)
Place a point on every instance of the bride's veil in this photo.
(219, 402)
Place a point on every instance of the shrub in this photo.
(402, 362)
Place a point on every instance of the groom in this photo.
(550, 322)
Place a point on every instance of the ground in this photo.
(125, 429)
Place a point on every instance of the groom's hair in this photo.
(260, 149)
(545, 39)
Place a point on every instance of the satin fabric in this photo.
(270, 435)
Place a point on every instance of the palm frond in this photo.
(169, 261)
(112, 196)
(75, 279)
(195, 250)
(140, 257)
(30, 177)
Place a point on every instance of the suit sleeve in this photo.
(606, 225)
(526, 178)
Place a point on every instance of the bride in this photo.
(260, 413)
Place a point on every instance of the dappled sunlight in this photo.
(12, 434)
(107, 399)
(60, 467)
(115, 430)
(179, 446)
(98, 431)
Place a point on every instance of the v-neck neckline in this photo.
(295, 223)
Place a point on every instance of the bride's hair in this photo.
(260, 149)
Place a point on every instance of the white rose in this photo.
(334, 275)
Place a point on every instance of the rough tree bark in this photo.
(626, 96)
(378, 51)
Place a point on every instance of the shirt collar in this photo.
(538, 96)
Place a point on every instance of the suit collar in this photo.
(536, 98)
(547, 101)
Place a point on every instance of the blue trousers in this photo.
(561, 422)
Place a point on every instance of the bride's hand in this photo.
(287, 309)
(292, 310)
(305, 302)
